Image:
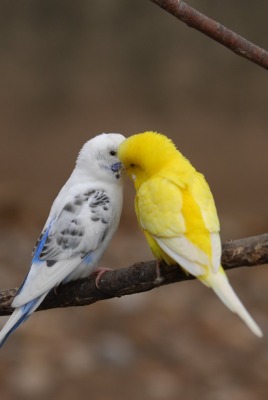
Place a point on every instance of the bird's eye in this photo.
(132, 165)
(112, 153)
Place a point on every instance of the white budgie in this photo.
(81, 223)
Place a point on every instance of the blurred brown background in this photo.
(70, 70)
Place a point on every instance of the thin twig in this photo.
(141, 277)
(215, 30)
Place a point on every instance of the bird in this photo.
(82, 220)
(177, 213)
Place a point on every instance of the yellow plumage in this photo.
(177, 213)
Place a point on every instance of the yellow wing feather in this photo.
(203, 197)
(173, 224)
(158, 208)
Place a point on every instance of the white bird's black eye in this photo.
(113, 153)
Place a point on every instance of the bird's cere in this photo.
(116, 167)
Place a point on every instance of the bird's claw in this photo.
(99, 272)
(159, 279)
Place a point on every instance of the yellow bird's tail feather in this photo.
(221, 286)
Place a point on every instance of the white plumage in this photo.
(81, 223)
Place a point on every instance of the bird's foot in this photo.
(99, 272)
(159, 279)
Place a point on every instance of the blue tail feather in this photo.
(26, 312)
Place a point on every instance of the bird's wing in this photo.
(173, 218)
(68, 239)
(78, 229)
(201, 193)
(158, 207)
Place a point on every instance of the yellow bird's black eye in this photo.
(113, 153)
(132, 165)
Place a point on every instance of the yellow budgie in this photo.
(176, 211)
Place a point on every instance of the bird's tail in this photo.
(221, 286)
(18, 316)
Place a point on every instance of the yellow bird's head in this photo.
(145, 154)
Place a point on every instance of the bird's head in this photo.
(145, 154)
(98, 157)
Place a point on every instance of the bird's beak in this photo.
(117, 167)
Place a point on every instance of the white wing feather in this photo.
(216, 251)
(185, 253)
(44, 280)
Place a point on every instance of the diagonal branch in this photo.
(215, 30)
(141, 277)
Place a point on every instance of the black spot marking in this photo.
(93, 218)
(59, 240)
(89, 193)
(78, 201)
(45, 248)
(50, 263)
(38, 242)
(104, 221)
(100, 199)
(104, 235)
(43, 252)
(69, 207)
(80, 198)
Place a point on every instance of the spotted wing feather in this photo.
(79, 228)
(77, 231)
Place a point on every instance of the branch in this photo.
(215, 30)
(141, 277)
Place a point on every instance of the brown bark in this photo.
(141, 277)
(215, 30)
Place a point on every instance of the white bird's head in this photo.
(98, 157)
